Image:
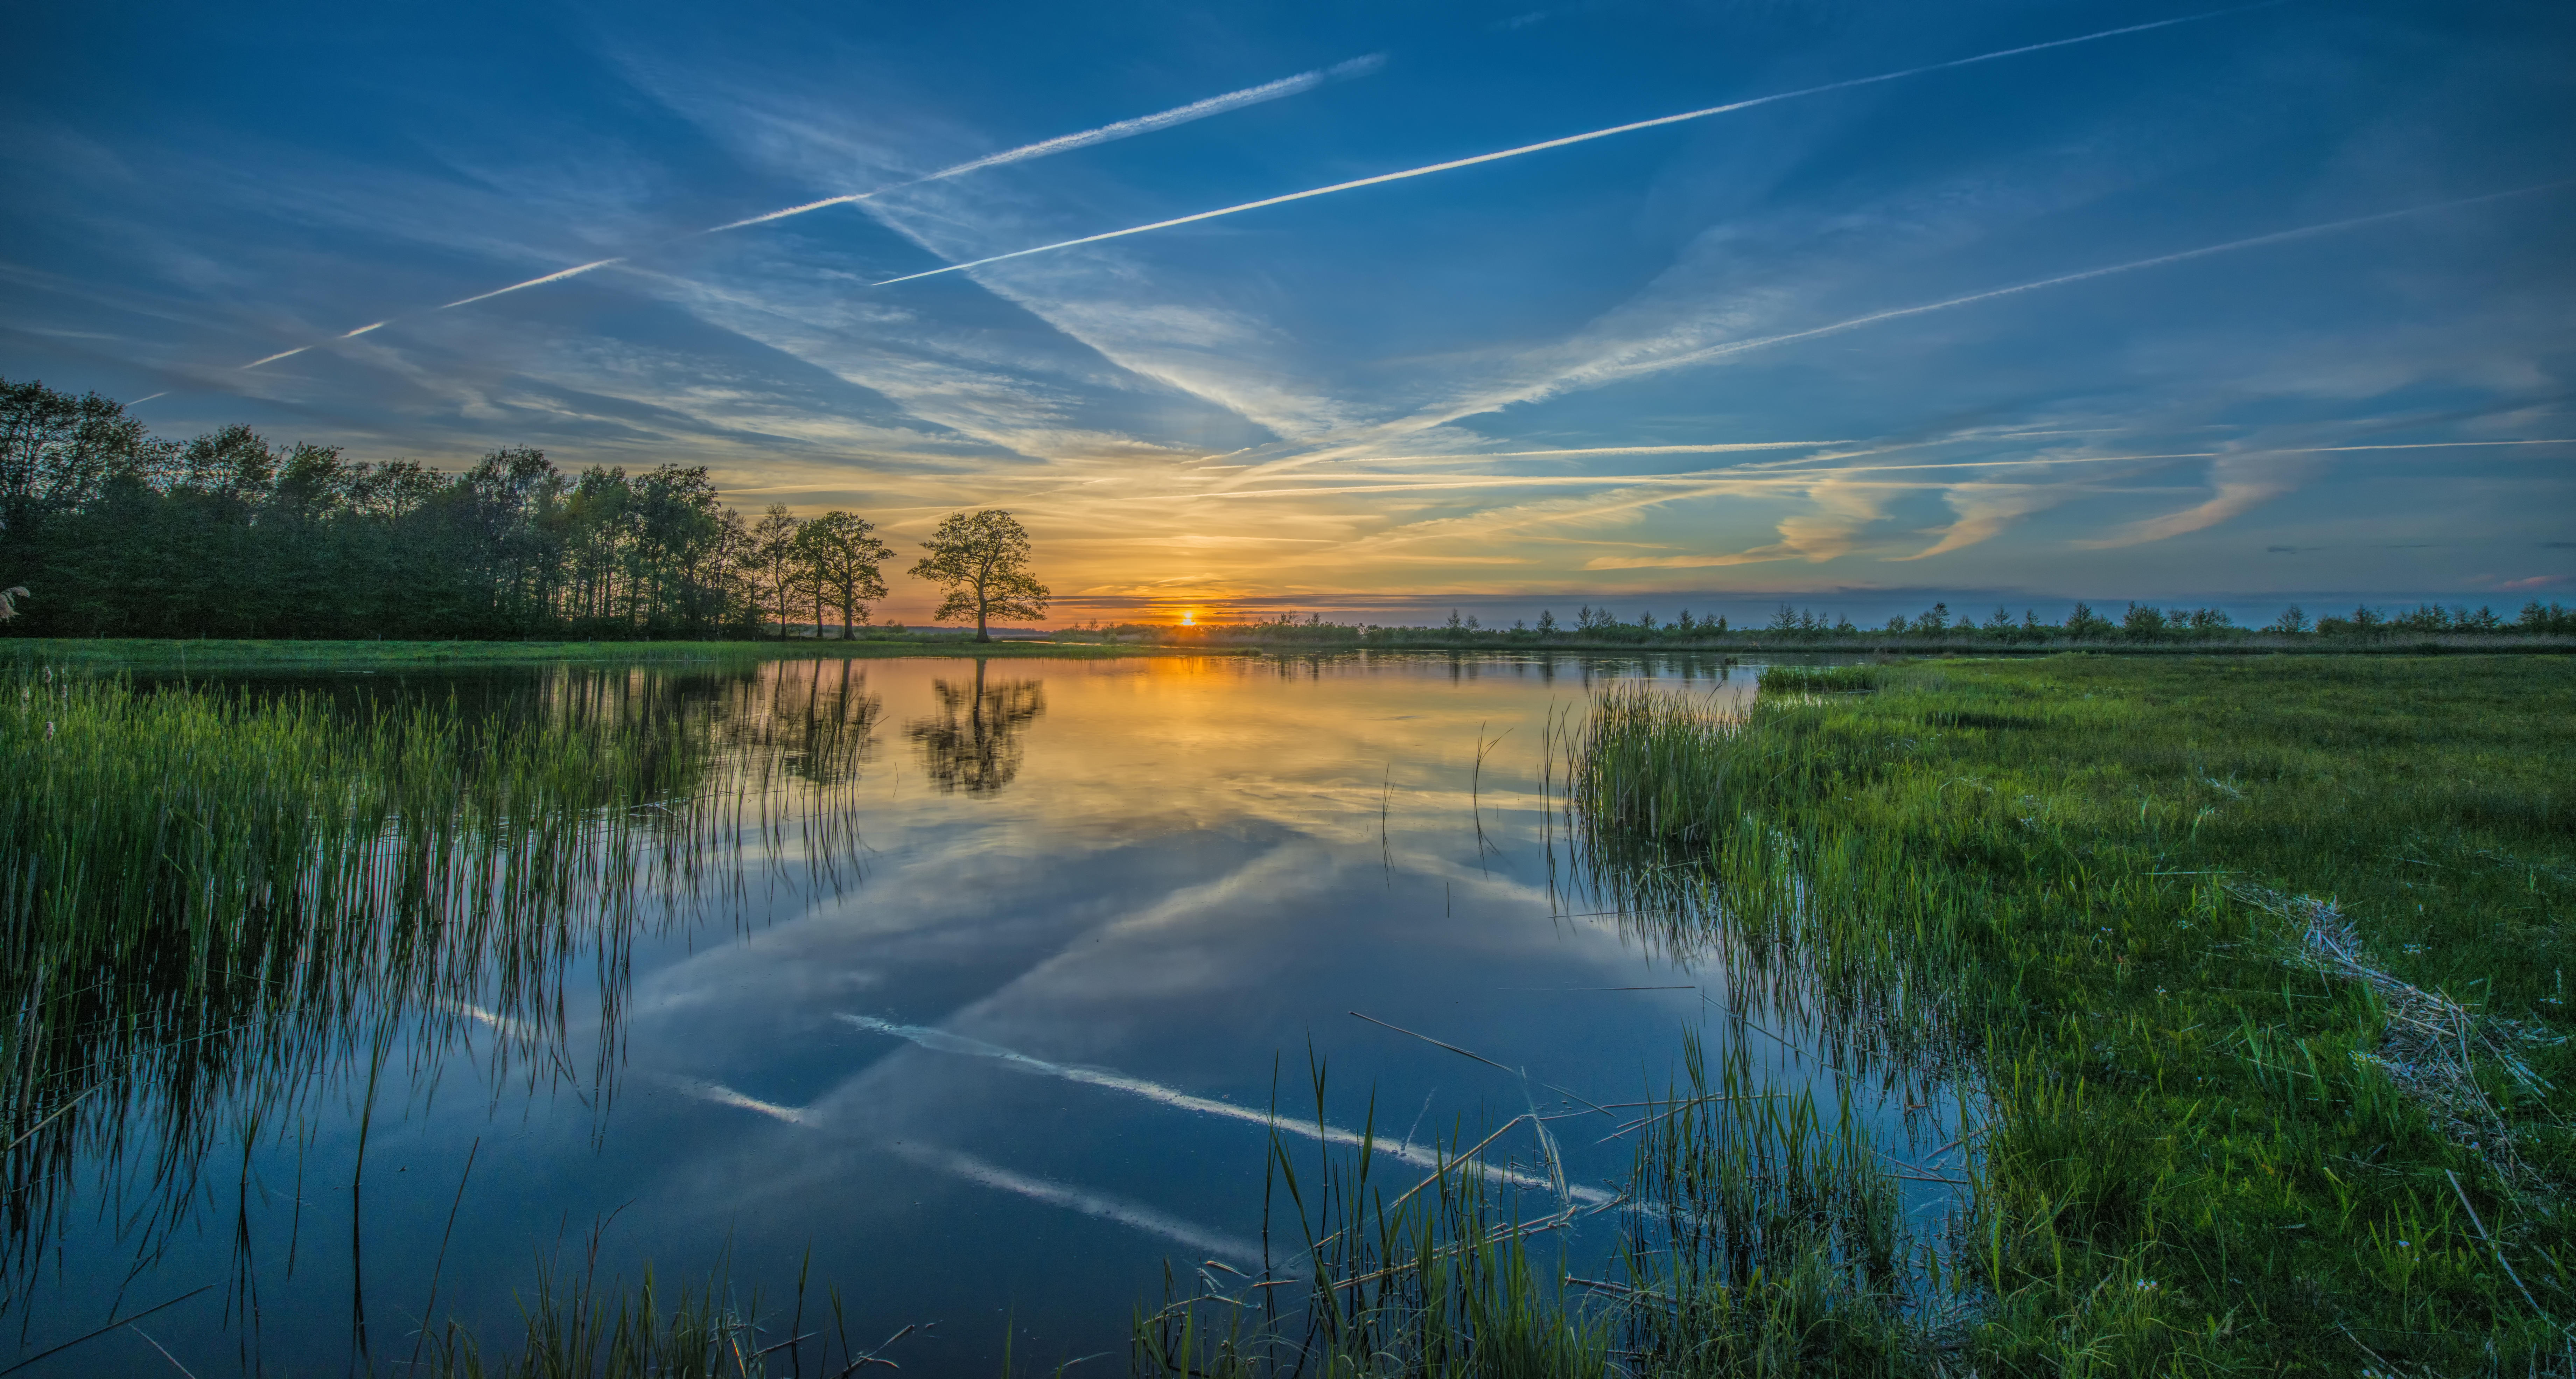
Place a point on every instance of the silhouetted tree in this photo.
(981, 558)
(229, 535)
(843, 560)
(773, 553)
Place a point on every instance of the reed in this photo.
(1758, 1234)
(213, 904)
(576, 1326)
(2068, 891)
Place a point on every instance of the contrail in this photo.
(1739, 477)
(1571, 139)
(2276, 237)
(1066, 143)
(555, 277)
(1044, 148)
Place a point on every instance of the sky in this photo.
(1372, 310)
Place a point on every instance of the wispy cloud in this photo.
(2238, 484)
(1044, 148)
(1567, 141)
(1066, 143)
(1985, 510)
(1838, 510)
(1629, 361)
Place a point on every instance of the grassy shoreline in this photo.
(2259, 966)
(1294, 640)
(219, 655)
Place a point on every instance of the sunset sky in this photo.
(1982, 301)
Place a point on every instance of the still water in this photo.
(988, 1050)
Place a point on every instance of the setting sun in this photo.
(1189, 617)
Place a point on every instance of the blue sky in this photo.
(1855, 346)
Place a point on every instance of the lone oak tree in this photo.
(982, 558)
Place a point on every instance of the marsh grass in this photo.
(1759, 1233)
(577, 1327)
(2058, 888)
(214, 904)
(574, 1325)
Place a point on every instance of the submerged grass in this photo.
(1758, 1234)
(212, 904)
(575, 1326)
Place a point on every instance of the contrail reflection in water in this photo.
(1420, 1156)
(959, 1164)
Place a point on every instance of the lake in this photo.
(974, 1006)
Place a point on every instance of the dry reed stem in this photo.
(2429, 1042)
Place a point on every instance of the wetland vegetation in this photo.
(2251, 976)
(219, 905)
(2257, 970)
(2222, 1000)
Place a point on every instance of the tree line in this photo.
(2137, 624)
(107, 530)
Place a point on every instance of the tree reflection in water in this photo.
(820, 719)
(973, 742)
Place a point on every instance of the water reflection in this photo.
(973, 742)
(986, 1078)
(317, 883)
(819, 717)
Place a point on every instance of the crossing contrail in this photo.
(1044, 148)
(1571, 139)
(1066, 143)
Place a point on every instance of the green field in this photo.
(2259, 968)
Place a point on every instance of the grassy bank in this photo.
(160, 657)
(154, 656)
(2251, 974)
(2259, 965)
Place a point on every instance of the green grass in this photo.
(575, 1326)
(2074, 887)
(2098, 903)
(214, 905)
(192, 657)
(2190, 943)
(1758, 1234)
